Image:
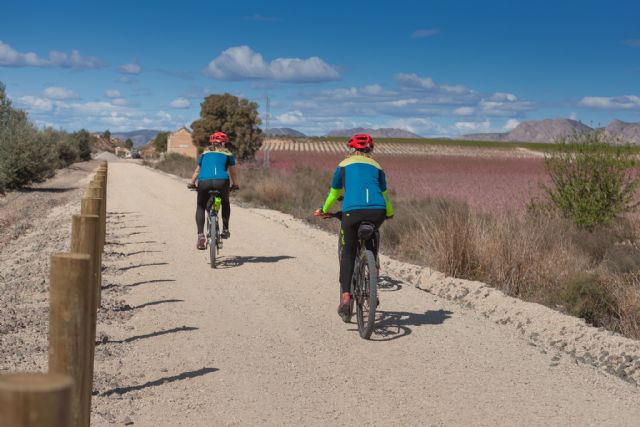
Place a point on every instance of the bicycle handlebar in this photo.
(336, 215)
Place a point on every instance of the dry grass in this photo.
(175, 164)
(540, 258)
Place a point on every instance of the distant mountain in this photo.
(284, 132)
(548, 130)
(139, 137)
(625, 132)
(379, 133)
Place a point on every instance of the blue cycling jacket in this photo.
(214, 164)
(364, 185)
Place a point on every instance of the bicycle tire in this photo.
(366, 297)
(213, 244)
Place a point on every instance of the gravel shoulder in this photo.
(258, 342)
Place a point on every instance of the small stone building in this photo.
(181, 142)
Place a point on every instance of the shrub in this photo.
(83, 142)
(177, 164)
(593, 180)
(585, 296)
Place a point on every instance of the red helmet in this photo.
(362, 142)
(218, 138)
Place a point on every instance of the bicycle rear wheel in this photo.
(213, 242)
(366, 293)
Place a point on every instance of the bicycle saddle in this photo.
(366, 231)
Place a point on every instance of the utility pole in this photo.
(266, 126)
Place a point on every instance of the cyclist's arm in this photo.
(335, 192)
(234, 175)
(197, 171)
(195, 175)
(389, 206)
(383, 187)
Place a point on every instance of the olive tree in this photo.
(234, 116)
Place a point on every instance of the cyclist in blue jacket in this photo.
(363, 183)
(216, 171)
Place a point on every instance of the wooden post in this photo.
(35, 400)
(94, 191)
(69, 299)
(91, 206)
(84, 240)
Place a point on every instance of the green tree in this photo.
(23, 158)
(128, 144)
(593, 179)
(107, 135)
(83, 141)
(160, 142)
(234, 116)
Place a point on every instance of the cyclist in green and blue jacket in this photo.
(363, 183)
(216, 171)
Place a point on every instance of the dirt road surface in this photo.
(258, 341)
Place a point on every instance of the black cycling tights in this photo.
(349, 239)
(204, 186)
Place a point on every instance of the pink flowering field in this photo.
(491, 184)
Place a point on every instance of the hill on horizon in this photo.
(139, 137)
(284, 132)
(547, 131)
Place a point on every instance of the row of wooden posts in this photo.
(62, 396)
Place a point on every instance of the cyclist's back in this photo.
(215, 171)
(363, 183)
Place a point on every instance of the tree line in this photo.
(29, 154)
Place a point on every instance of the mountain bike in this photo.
(364, 282)
(212, 224)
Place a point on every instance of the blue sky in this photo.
(434, 67)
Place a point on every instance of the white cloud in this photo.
(57, 92)
(35, 103)
(503, 97)
(464, 111)
(130, 68)
(242, 63)
(9, 57)
(180, 103)
(422, 33)
(119, 101)
(573, 116)
(417, 125)
(412, 80)
(291, 118)
(626, 102)
(511, 124)
(632, 42)
(467, 127)
(113, 93)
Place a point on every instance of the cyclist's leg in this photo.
(226, 206)
(349, 239)
(377, 217)
(222, 185)
(203, 197)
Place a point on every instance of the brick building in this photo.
(181, 142)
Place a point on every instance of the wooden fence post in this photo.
(84, 240)
(35, 400)
(69, 300)
(91, 204)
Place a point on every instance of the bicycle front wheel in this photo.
(366, 293)
(213, 243)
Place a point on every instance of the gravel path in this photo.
(258, 341)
